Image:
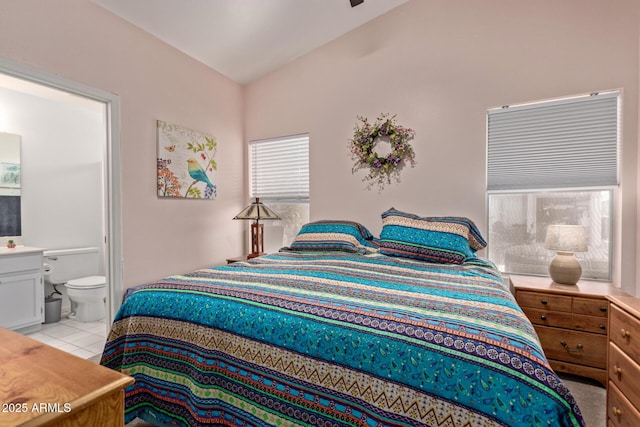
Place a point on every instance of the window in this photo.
(552, 162)
(279, 176)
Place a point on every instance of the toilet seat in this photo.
(91, 282)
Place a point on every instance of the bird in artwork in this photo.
(197, 173)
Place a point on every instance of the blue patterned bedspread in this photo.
(335, 339)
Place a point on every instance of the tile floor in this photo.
(84, 340)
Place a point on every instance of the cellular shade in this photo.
(566, 143)
(280, 168)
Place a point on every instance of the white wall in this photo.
(61, 170)
(81, 41)
(439, 65)
(61, 167)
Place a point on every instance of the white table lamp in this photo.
(565, 240)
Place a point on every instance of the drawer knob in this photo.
(603, 327)
(578, 348)
(625, 333)
(617, 371)
(544, 302)
(543, 317)
(616, 411)
(603, 309)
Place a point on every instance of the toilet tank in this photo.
(62, 265)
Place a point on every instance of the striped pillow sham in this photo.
(334, 235)
(447, 240)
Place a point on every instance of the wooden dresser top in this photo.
(33, 373)
(583, 287)
(628, 303)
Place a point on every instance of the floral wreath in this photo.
(381, 167)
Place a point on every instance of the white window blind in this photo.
(566, 143)
(280, 168)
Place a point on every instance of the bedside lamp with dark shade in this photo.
(565, 240)
(257, 211)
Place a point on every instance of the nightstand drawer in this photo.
(576, 315)
(572, 346)
(544, 301)
(590, 306)
(625, 332)
(594, 324)
(548, 318)
(624, 373)
(620, 411)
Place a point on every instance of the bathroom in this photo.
(62, 143)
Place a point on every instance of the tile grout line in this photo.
(77, 338)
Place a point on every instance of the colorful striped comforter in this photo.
(334, 339)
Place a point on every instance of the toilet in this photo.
(87, 296)
(78, 270)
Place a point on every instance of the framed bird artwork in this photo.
(186, 162)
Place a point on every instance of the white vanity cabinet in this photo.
(21, 289)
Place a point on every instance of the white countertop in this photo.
(19, 250)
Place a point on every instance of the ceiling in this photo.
(246, 39)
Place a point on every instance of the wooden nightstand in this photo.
(237, 259)
(44, 386)
(571, 322)
(623, 392)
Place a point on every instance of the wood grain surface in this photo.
(43, 386)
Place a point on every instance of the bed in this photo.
(320, 334)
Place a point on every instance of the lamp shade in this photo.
(566, 238)
(257, 211)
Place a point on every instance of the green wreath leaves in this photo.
(382, 168)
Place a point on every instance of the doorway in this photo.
(26, 78)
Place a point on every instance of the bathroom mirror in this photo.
(10, 188)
